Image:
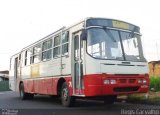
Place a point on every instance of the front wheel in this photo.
(66, 99)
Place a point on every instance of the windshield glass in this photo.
(114, 44)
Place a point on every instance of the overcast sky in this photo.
(23, 22)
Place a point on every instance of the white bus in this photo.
(96, 57)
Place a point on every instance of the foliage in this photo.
(155, 83)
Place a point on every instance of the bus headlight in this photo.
(142, 81)
(112, 81)
(106, 82)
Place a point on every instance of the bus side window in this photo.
(65, 39)
(56, 46)
(19, 60)
(25, 60)
(47, 50)
(76, 47)
(28, 56)
(36, 53)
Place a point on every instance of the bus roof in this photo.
(84, 20)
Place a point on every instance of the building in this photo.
(4, 75)
(154, 68)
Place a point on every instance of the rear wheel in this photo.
(108, 100)
(23, 94)
(66, 99)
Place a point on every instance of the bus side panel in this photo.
(46, 86)
(50, 68)
(28, 86)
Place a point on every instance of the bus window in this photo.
(65, 38)
(25, 60)
(19, 60)
(28, 53)
(47, 50)
(56, 48)
(36, 53)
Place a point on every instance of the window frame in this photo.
(66, 35)
(57, 46)
(36, 54)
(46, 50)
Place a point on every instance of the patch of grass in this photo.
(148, 98)
(155, 83)
(134, 98)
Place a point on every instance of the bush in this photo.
(155, 83)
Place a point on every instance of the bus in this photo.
(96, 57)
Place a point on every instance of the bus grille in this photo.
(132, 80)
(127, 81)
(125, 89)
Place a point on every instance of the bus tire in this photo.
(108, 100)
(23, 95)
(30, 96)
(66, 99)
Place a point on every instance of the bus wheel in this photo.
(23, 95)
(108, 100)
(66, 99)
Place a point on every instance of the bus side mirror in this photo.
(83, 35)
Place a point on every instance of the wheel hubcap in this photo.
(65, 94)
(21, 93)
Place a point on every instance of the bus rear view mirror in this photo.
(83, 35)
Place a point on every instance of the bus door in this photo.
(77, 65)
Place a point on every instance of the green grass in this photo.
(155, 83)
(141, 98)
(137, 98)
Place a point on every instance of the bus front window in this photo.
(107, 44)
(103, 43)
(130, 45)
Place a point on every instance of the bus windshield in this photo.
(113, 44)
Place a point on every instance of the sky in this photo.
(23, 22)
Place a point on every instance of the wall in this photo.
(154, 68)
(4, 85)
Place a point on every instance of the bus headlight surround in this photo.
(142, 81)
(106, 82)
(111, 81)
